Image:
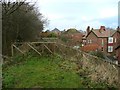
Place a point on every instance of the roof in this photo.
(55, 30)
(106, 33)
(103, 33)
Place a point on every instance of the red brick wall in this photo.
(104, 44)
(92, 37)
(118, 55)
(115, 43)
(118, 50)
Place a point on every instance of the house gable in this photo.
(91, 38)
(90, 33)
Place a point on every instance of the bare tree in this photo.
(10, 7)
(21, 20)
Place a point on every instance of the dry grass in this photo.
(100, 71)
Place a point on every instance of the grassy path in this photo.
(45, 72)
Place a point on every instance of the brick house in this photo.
(105, 39)
(118, 45)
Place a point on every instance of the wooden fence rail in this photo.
(34, 49)
(30, 44)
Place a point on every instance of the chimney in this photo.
(102, 28)
(118, 28)
(88, 29)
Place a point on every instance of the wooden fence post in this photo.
(12, 50)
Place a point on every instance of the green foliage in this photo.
(52, 35)
(64, 39)
(98, 54)
(38, 72)
(9, 80)
(46, 72)
(72, 30)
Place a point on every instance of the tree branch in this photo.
(13, 10)
(14, 6)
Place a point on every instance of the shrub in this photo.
(98, 54)
(52, 35)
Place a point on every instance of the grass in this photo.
(45, 72)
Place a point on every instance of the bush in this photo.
(98, 54)
(52, 35)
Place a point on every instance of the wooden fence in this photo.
(52, 47)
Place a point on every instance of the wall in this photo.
(92, 37)
(104, 44)
(115, 43)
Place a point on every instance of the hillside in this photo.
(33, 71)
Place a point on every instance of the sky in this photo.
(65, 14)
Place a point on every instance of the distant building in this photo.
(56, 31)
(105, 39)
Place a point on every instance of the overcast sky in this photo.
(79, 14)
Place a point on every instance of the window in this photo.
(90, 41)
(110, 48)
(84, 40)
(110, 40)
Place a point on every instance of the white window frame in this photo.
(110, 48)
(84, 40)
(110, 39)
